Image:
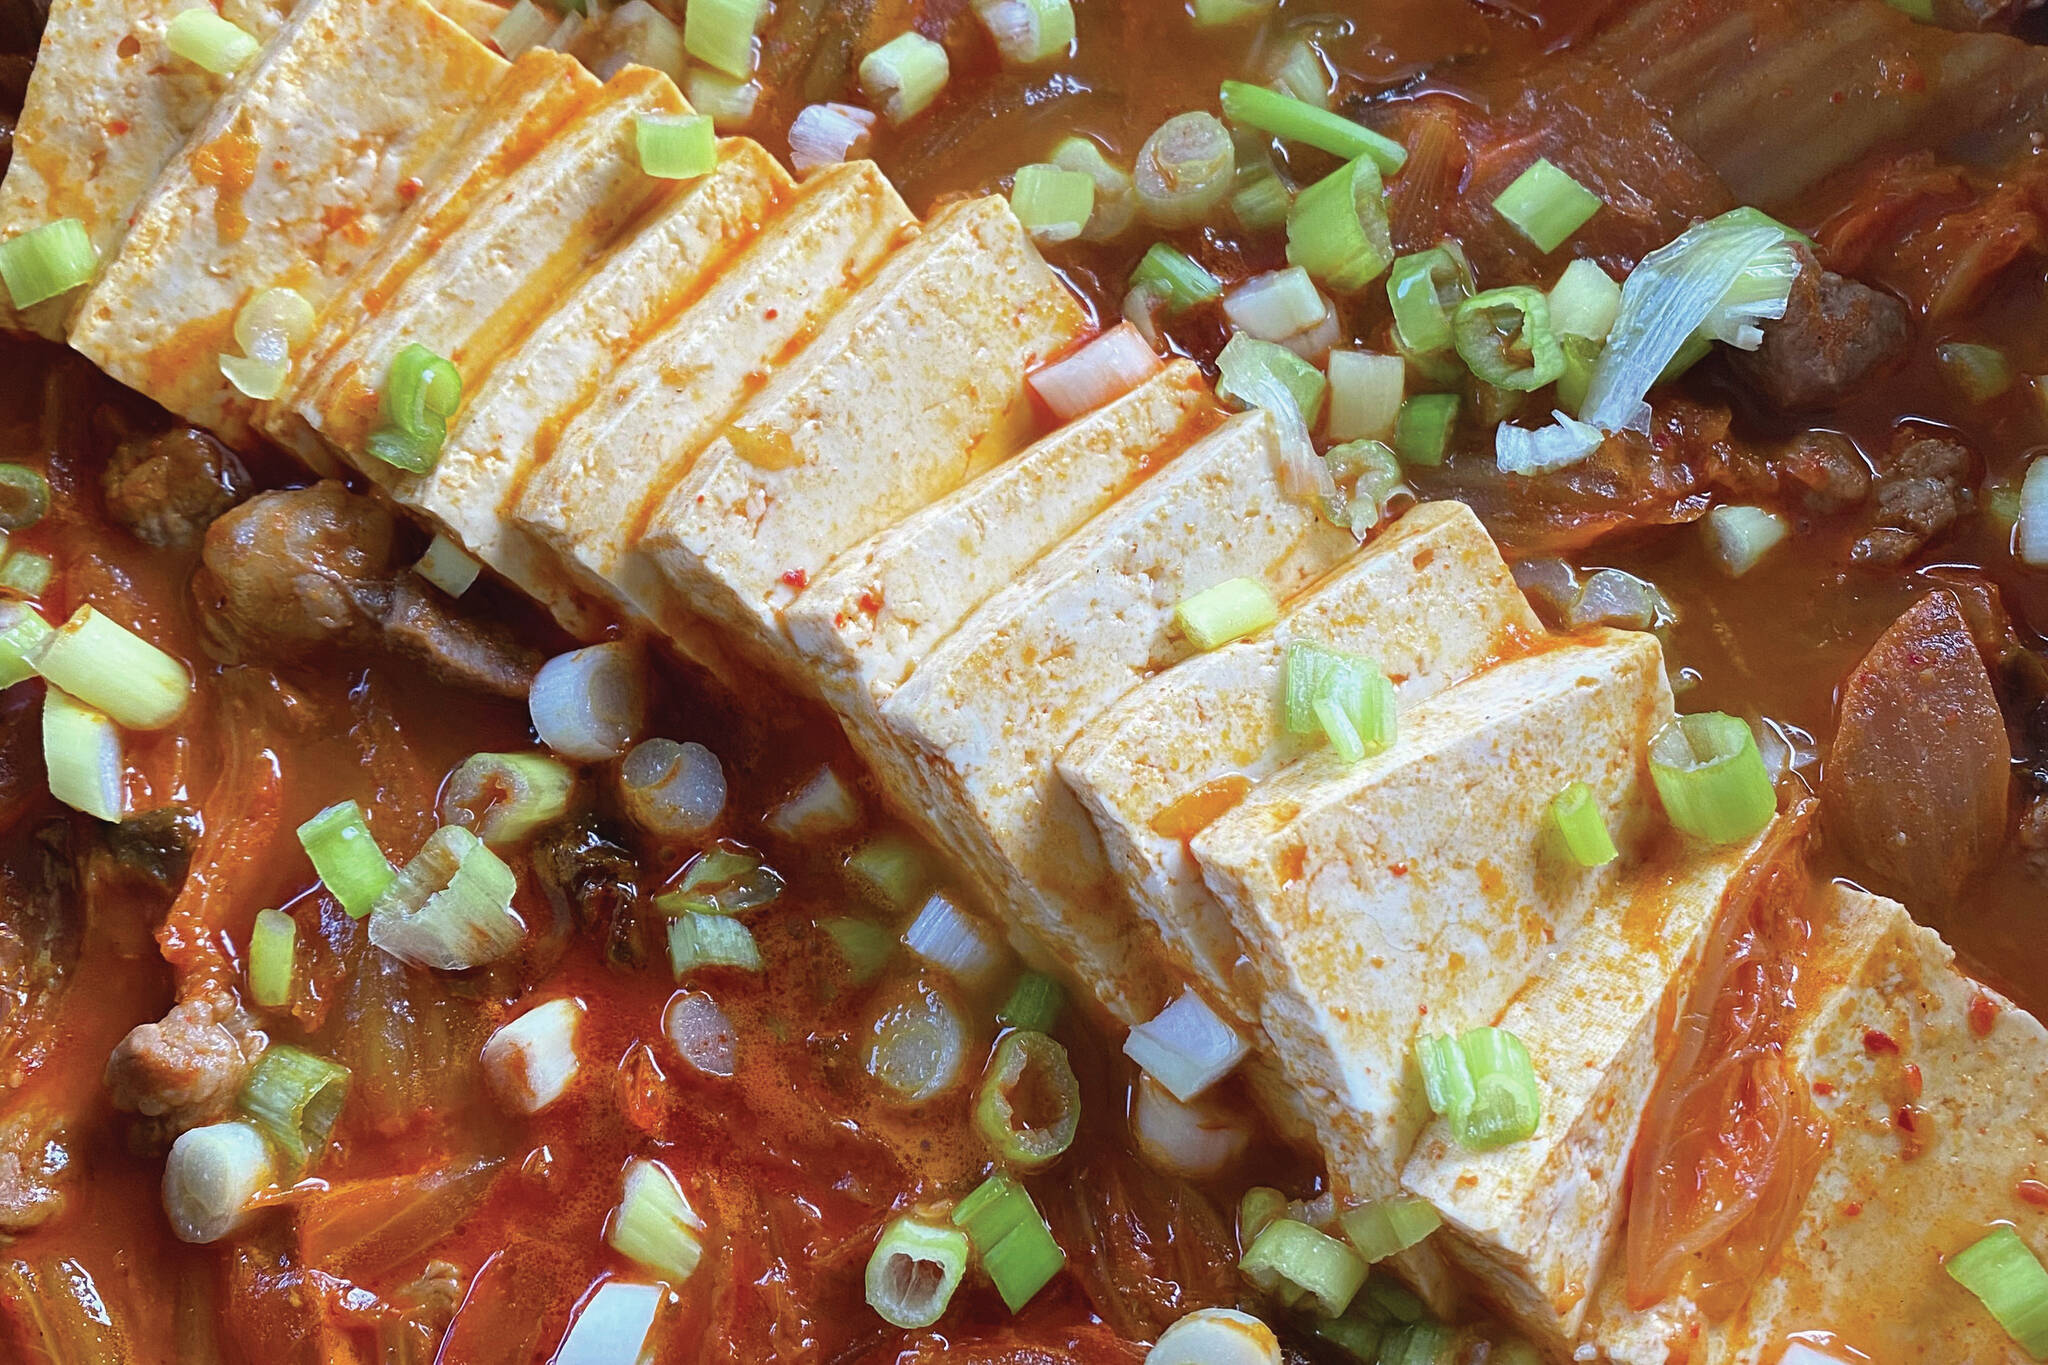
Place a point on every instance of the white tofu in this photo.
(879, 608)
(886, 409)
(1412, 890)
(540, 385)
(1536, 1221)
(985, 714)
(617, 461)
(290, 181)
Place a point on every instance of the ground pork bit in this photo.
(168, 488)
(188, 1067)
(1835, 334)
(1920, 491)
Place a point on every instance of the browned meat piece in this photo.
(40, 928)
(1919, 775)
(188, 1067)
(297, 570)
(34, 1162)
(1921, 490)
(167, 489)
(23, 785)
(1828, 471)
(1835, 334)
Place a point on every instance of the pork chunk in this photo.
(167, 489)
(187, 1067)
(1835, 334)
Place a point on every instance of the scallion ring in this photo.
(1029, 1105)
(1504, 336)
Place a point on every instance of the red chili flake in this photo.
(1398, 869)
(1907, 1119)
(409, 188)
(1823, 1088)
(1852, 1209)
(1877, 1040)
(2033, 1192)
(1914, 1082)
(797, 578)
(117, 126)
(1983, 1014)
(870, 602)
(772, 314)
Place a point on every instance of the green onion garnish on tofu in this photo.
(205, 39)
(46, 261)
(1338, 229)
(112, 669)
(1184, 170)
(1422, 288)
(1386, 1227)
(720, 33)
(904, 75)
(24, 497)
(346, 856)
(1422, 432)
(450, 908)
(294, 1097)
(1711, 778)
(1027, 32)
(654, 1225)
(268, 328)
(1504, 336)
(914, 1271)
(1012, 1239)
(1345, 697)
(1175, 278)
(2009, 1279)
(1294, 120)
(1028, 1106)
(710, 941)
(1483, 1084)
(1228, 611)
(1053, 204)
(1579, 828)
(1291, 1259)
(1546, 205)
(82, 756)
(1034, 1003)
(22, 631)
(421, 392)
(273, 945)
(675, 146)
(865, 946)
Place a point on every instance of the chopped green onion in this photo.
(730, 101)
(1386, 1227)
(641, 34)
(1386, 1300)
(890, 871)
(531, 1061)
(210, 1178)
(261, 380)
(955, 942)
(1418, 1343)
(1504, 336)
(2030, 517)
(206, 40)
(1922, 10)
(1228, 611)
(46, 261)
(1546, 205)
(1179, 281)
(24, 573)
(346, 857)
(1580, 829)
(918, 1046)
(723, 880)
(525, 25)
(914, 1270)
(1581, 357)
(82, 756)
(1010, 1236)
(1293, 120)
(1483, 1084)
(1216, 13)
(421, 391)
(2010, 1281)
(1249, 370)
(112, 669)
(1258, 1207)
(1365, 395)
(1357, 1335)
(675, 146)
(1028, 1107)
(720, 33)
(1584, 301)
(293, 1098)
(1979, 373)
(1739, 537)
(824, 806)
(450, 908)
(1290, 1255)
(654, 1225)
(904, 75)
(670, 789)
(447, 566)
(1368, 477)
(22, 631)
(710, 941)
(1116, 196)
(1276, 305)
(866, 947)
(1302, 73)
(1711, 778)
(24, 497)
(273, 942)
(1035, 1003)
(1184, 170)
(1260, 199)
(505, 797)
(1052, 204)
(1351, 700)
(1338, 230)
(1422, 433)
(1423, 287)
(1027, 32)
(1186, 1047)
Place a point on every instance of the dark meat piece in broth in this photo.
(187, 1068)
(167, 489)
(1835, 334)
(293, 571)
(1922, 487)
(1826, 470)
(40, 934)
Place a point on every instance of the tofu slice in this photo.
(536, 388)
(107, 106)
(1536, 1222)
(1429, 598)
(985, 714)
(618, 460)
(884, 605)
(1381, 898)
(884, 411)
(290, 181)
(504, 265)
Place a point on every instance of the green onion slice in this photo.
(710, 941)
(1176, 278)
(675, 146)
(1228, 611)
(1423, 287)
(1323, 687)
(1338, 229)
(1293, 120)
(1711, 778)
(1580, 829)
(1386, 1227)
(1546, 205)
(1422, 433)
(205, 39)
(1291, 1255)
(112, 669)
(82, 756)
(2009, 1279)
(1035, 1003)
(914, 1271)
(46, 261)
(24, 573)
(421, 391)
(1258, 1207)
(450, 908)
(1216, 13)
(1184, 170)
(1979, 373)
(726, 879)
(294, 1097)
(505, 797)
(1012, 1239)
(1115, 194)
(866, 947)
(904, 75)
(1028, 1107)
(1258, 374)
(890, 871)
(1505, 337)
(1027, 32)
(448, 566)
(1483, 1084)
(654, 1225)
(22, 631)
(346, 857)
(273, 943)
(24, 497)
(720, 33)
(1053, 205)
(1584, 301)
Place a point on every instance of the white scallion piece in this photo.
(211, 1175)
(672, 789)
(1216, 1336)
(588, 703)
(1027, 32)
(918, 1046)
(1276, 305)
(1365, 395)
(450, 908)
(1105, 369)
(1564, 443)
(826, 134)
(956, 942)
(112, 669)
(525, 25)
(448, 567)
(612, 1326)
(654, 1224)
(82, 756)
(1186, 1047)
(1739, 537)
(729, 102)
(1194, 1141)
(822, 807)
(1584, 301)
(2030, 536)
(904, 75)
(531, 1061)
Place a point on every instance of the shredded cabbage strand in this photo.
(1560, 445)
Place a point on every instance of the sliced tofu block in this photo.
(884, 411)
(615, 463)
(107, 106)
(541, 92)
(1430, 599)
(1536, 1222)
(502, 267)
(1412, 890)
(290, 181)
(551, 375)
(983, 716)
(878, 609)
